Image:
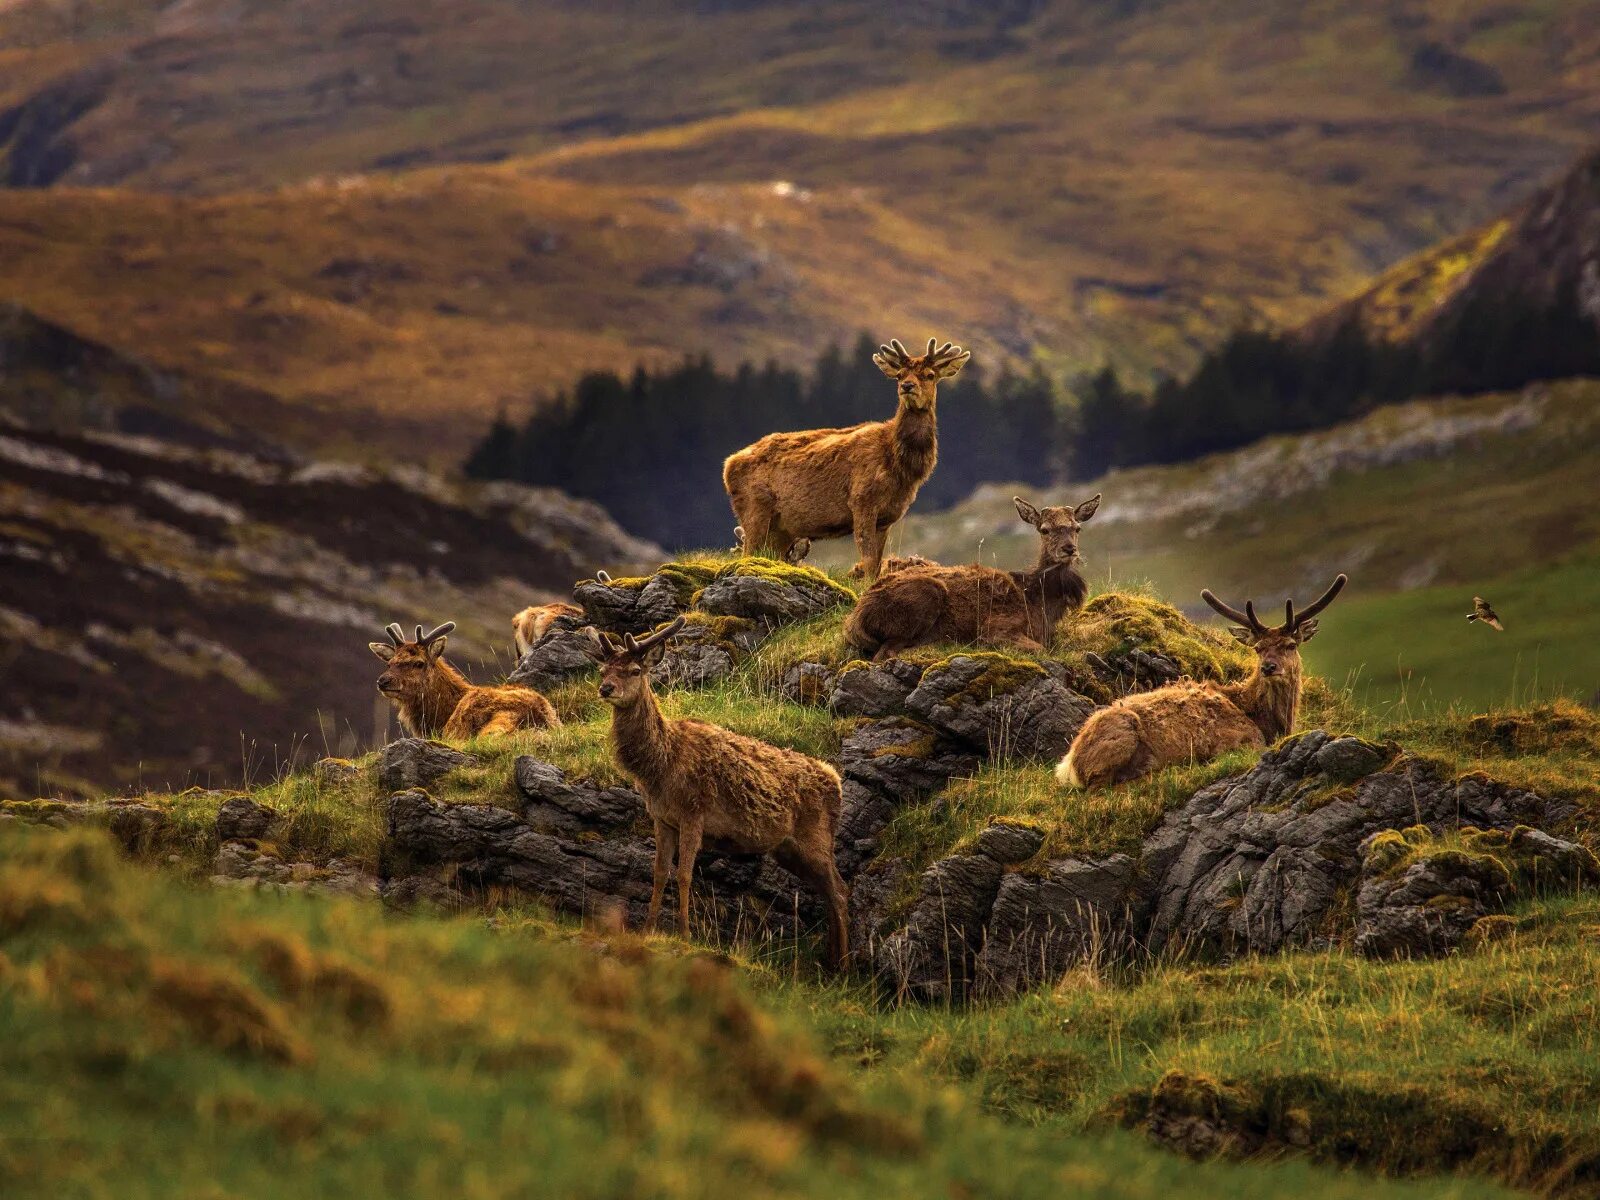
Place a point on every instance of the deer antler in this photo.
(429, 639)
(1247, 618)
(893, 356)
(397, 636)
(640, 645)
(1292, 622)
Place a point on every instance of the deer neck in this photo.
(642, 739)
(442, 689)
(915, 441)
(1271, 701)
(1050, 590)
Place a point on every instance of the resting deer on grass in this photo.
(703, 782)
(532, 623)
(1195, 722)
(436, 700)
(860, 480)
(919, 604)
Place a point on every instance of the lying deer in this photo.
(919, 604)
(860, 480)
(532, 623)
(1195, 722)
(436, 700)
(703, 782)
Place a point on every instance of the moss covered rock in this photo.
(1008, 707)
(759, 589)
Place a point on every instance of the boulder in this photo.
(1009, 708)
(863, 689)
(563, 653)
(902, 759)
(770, 593)
(556, 804)
(241, 864)
(138, 826)
(806, 683)
(636, 605)
(933, 956)
(242, 819)
(335, 771)
(417, 762)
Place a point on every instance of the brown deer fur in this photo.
(1194, 722)
(831, 482)
(915, 605)
(794, 555)
(531, 624)
(436, 700)
(703, 783)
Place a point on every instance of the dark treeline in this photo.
(650, 448)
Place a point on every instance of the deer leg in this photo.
(813, 865)
(666, 847)
(757, 523)
(869, 544)
(688, 849)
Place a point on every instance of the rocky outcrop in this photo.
(806, 683)
(771, 594)
(1265, 860)
(1007, 708)
(241, 819)
(243, 864)
(417, 762)
(563, 653)
(634, 605)
(862, 689)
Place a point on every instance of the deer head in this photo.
(410, 662)
(625, 664)
(918, 376)
(1058, 528)
(1277, 648)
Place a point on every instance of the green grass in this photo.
(165, 1041)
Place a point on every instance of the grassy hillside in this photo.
(167, 1040)
(436, 215)
(1423, 505)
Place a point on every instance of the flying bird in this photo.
(1482, 612)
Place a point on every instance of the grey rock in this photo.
(871, 894)
(1007, 843)
(430, 832)
(563, 653)
(335, 770)
(1425, 910)
(240, 864)
(691, 665)
(1000, 706)
(417, 762)
(873, 689)
(902, 759)
(934, 956)
(556, 804)
(769, 601)
(138, 826)
(862, 818)
(421, 890)
(631, 610)
(242, 819)
(806, 683)
(1080, 910)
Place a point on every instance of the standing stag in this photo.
(1194, 722)
(831, 482)
(436, 700)
(918, 604)
(703, 782)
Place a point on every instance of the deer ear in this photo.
(951, 369)
(436, 648)
(655, 654)
(1242, 635)
(1088, 508)
(1026, 511)
(382, 649)
(1306, 631)
(888, 368)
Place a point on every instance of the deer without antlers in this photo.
(701, 782)
(436, 700)
(921, 603)
(830, 482)
(1194, 722)
(532, 623)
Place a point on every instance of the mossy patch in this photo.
(1509, 855)
(1115, 623)
(792, 576)
(999, 675)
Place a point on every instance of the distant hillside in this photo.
(440, 212)
(182, 615)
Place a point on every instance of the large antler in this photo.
(427, 639)
(1292, 622)
(947, 355)
(397, 636)
(1247, 618)
(640, 645)
(894, 356)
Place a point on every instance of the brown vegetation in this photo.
(1194, 722)
(701, 782)
(830, 482)
(435, 699)
(918, 603)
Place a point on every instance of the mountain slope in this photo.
(1064, 182)
(182, 615)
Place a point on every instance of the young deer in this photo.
(1194, 722)
(916, 604)
(531, 624)
(703, 782)
(860, 480)
(436, 700)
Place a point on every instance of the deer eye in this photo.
(635, 670)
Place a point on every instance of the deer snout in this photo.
(607, 688)
(1269, 668)
(907, 386)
